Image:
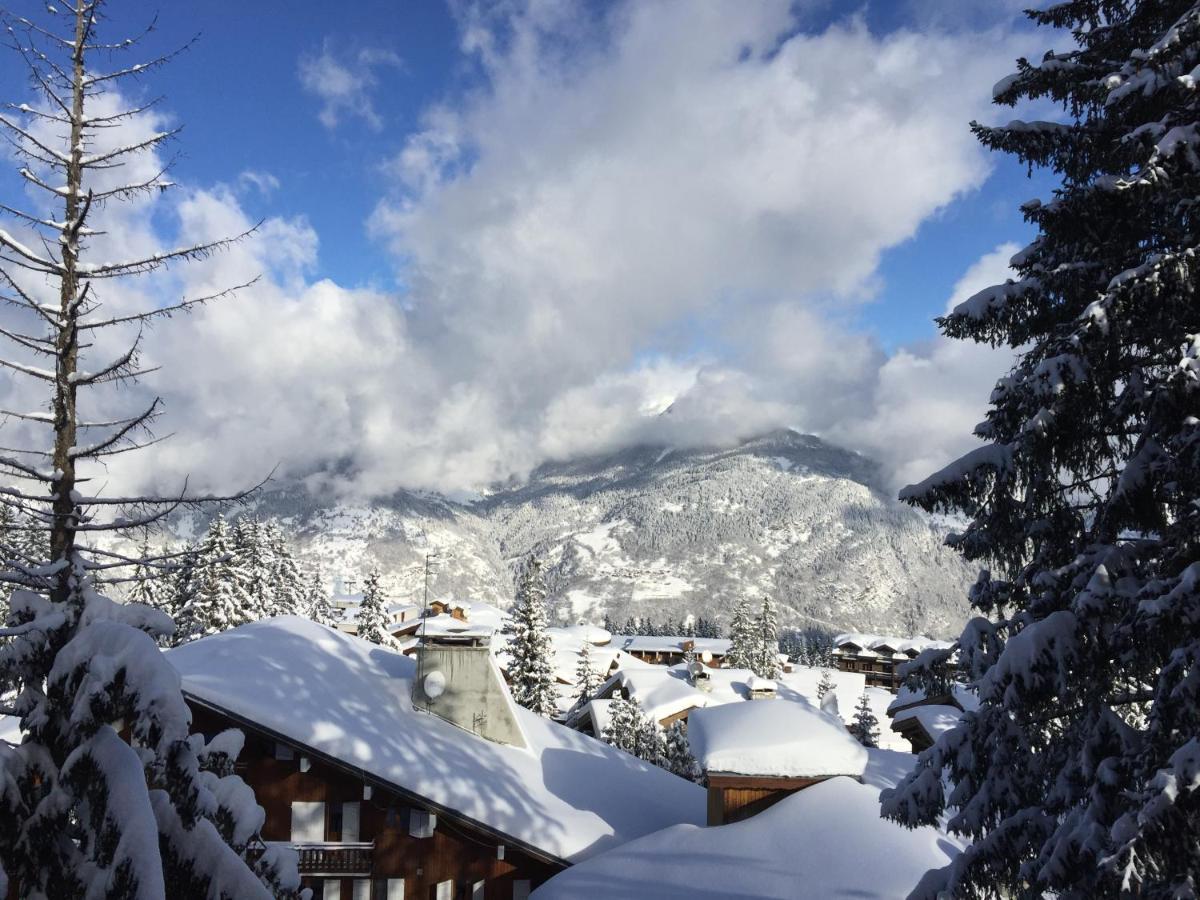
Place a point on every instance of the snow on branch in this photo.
(150, 263)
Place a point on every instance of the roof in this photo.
(828, 838)
(773, 738)
(934, 719)
(568, 796)
(960, 695)
(874, 644)
(643, 643)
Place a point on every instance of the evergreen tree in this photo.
(649, 745)
(744, 640)
(609, 625)
(288, 587)
(825, 685)
(317, 604)
(84, 812)
(587, 682)
(372, 612)
(530, 672)
(765, 656)
(624, 724)
(865, 727)
(678, 753)
(220, 600)
(256, 566)
(1077, 776)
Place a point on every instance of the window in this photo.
(350, 817)
(308, 822)
(332, 889)
(360, 889)
(284, 752)
(444, 891)
(521, 889)
(389, 889)
(478, 890)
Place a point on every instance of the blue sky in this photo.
(495, 185)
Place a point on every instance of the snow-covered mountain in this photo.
(663, 533)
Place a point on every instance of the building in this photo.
(406, 779)
(669, 651)
(877, 657)
(756, 754)
(921, 719)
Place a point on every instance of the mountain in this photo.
(659, 532)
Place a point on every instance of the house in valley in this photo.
(879, 658)
(756, 754)
(669, 651)
(410, 778)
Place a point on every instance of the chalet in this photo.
(402, 618)
(921, 719)
(879, 658)
(756, 754)
(407, 779)
(669, 651)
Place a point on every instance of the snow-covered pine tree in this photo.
(530, 672)
(743, 639)
(624, 724)
(148, 586)
(765, 658)
(372, 612)
(83, 813)
(1079, 775)
(220, 599)
(649, 743)
(677, 753)
(587, 681)
(257, 565)
(317, 604)
(287, 583)
(825, 685)
(865, 727)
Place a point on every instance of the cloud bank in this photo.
(665, 205)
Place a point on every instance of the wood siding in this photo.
(732, 798)
(456, 852)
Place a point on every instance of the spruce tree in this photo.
(743, 639)
(865, 727)
(586, 680)
(677, 753)
(287, 583)
(825, 685)
(624, 725)
(765, 658)
(316, 604)
(1078, 774)
(84, 812)
(530, 671)
(372, 612)
(221, 599)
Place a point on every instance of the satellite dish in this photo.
(434, 685)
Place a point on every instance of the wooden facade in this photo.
(368, 840)
(732, 798)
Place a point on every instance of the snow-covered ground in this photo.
(824, 842)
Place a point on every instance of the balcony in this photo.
(335, 858)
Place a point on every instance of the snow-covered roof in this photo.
(961, 694)
(828, 838)
(773, 738)
(643, 643)
(568, 795)
(887, 645)
(934, 719)
(756, 683)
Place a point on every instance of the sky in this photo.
(495, 234)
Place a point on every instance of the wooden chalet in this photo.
(398, 778)
(878, 658)
(756, 753)
(670, 651)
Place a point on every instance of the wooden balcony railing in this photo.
(335, 858)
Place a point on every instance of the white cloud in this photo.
(672, 206)
(344, 86)
(927, 399)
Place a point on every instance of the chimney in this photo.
(458, 680)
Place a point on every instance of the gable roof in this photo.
(567, 796)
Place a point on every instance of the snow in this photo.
(569, 795)
(935, 719)
(10, 729)
(773, 738)
(826, 841)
